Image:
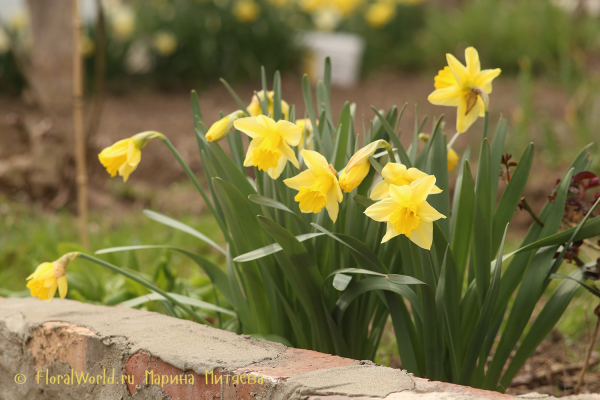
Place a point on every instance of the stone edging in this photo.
(112, 353)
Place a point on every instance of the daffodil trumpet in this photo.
(270, 148)
(50, 276)
(407, 212)
(222, 127)
(317, 186)
(358, 166)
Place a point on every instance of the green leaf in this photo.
(341, 140)
(182, 299)
(461, 238)
(233, 94)
(496, 158)
(277, 113)
(403, 280)
(590, 289)
(404, 159)
(173, 223)
(271, 249)
(308, 103)
(341, 281)
(437, 165)
(363, 201)
(511, 196)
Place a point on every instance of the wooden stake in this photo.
(81, 173)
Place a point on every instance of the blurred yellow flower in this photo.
(254, 108)
(245, 10)
(4, 42)
(346, 7)
(270, 149)
(125, 155)
(222, 127)
(87, 46)
(380, 13)
(452, 159)
(466, 88)
(359, 165)
(19, 20)
(399, 175)
(165, 43)
(122, 22)
(407, 212)
(310, 6)
(307, 129)
(317, 186)
(48, 277)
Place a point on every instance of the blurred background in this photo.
(142, 58)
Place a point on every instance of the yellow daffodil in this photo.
(359, 165)
(317, 186)
(399, 175)
(307, 129)
(380, 13)
(122, 22)
(346, 7)
(254, 108)
(125, 155)
(407, 212)
(48, 277)
(452, 159)
(245, 11)
(222, 127)
(464, 87)
(270, 149)
(165, 43)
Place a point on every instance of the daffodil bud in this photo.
(48, 277)
(452, 159)
(222, 127)
(359, 165)
(125, 155)
(424, 137)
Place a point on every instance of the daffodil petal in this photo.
(472, 58)
(449, 96)
(253, 144)
(291, 133)
(421, 188)
(275, 172)
(389, 233)
(333, 207)
(401, 194)
(119, 148)
(464, 122)
(381, 210)
(314, 160)
(251, 127)
(422, 236)
(392, 170)
(427, 213)
(484, 79)
(380, 191)
(304, 178)
(289, 154)
(52, 291)
(62, 287)
(458, 70)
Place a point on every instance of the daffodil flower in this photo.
(317, 186)
(452, 159)
(125, 155)
(48, 277)
(399, 175)
(407, 212)
(254, 108)
(270, 149)
(464, 87)
(359, 165)
(222, 127)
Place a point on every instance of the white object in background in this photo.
(344, 49)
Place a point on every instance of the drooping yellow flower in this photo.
(48, 277)
(222, 127)
(307, 129)
(399, 175)
(246, 11)
(317, 186)
(452, 159)
(359, 165)
(165, 43)
(125, 155)
(407, 212)
(254, 108)
(464, 87)
(270, 149)
(380, 13)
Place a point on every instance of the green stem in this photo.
(147, 284)
(391, 154)
(528, 208)
(194, 180)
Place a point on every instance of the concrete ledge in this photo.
(69, 350)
